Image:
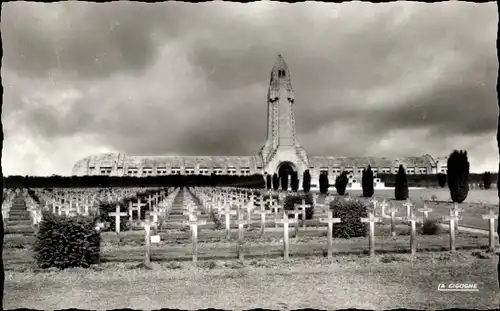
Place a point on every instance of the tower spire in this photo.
(280, 63)
(281, 142)
(280, 80)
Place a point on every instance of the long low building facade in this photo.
(281, 152)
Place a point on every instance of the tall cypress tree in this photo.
(269, 182)
(367, 182)
(401, 189)
(295, 181)
(458, 175)
(487, 180)
(323, 183)
(284, 181)
(306, 181)
(276, 182)
(327, 183)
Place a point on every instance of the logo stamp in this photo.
(458, 287)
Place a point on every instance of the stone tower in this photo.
(281, 149)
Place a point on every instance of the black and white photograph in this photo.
(252, 155)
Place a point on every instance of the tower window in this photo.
(281, 73)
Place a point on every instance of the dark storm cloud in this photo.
(192, 78)
(464, 109)
(85, 40)
(360, 56)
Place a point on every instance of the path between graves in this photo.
(19, 220)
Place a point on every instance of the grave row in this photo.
(158, 206)
(226, 202)
(72, 203)
(8, 200)
(190, 207)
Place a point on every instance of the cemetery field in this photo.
(471, 212)
(381, 282)
(220, 248)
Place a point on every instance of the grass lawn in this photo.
(382, 282)
(489, 196)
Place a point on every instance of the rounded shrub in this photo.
(266, 197)
(350, 212)
(291, 200)
(65, 242)
(431, 227)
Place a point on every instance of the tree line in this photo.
(457, 178)
(253, 181)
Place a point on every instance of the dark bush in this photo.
(269, 182)
(306, 181)
(341, 183)
(266, 200)
(458, 175)
(441, 180)
(367, 182)
(106, 208)
(291, 200)
(65, 242)
(401, 189)
(431, 227)
(276, 182)
(487, 180)
(350, 212)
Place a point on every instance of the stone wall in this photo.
(122, 165)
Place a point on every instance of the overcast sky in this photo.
(390, 79)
